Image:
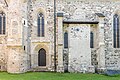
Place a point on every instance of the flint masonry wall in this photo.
(85, 10)
(16, 56)
(72, 9)
(79, 49)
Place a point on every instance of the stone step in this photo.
(39, 69)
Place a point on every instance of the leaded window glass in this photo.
(116, 33)
(91, 40)
(41, 27)
(2, 23)
(65, 40)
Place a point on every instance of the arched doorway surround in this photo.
(37, 49)
(42, 57)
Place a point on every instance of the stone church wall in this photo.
(79, 49)
(3, 54)
(14, 59)
(17, 60)
(85, 10)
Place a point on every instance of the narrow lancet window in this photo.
(91, 40)
(41, 25)
(116, 32)
(65, 40)
(2, 23)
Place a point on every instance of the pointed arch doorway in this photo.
(42, 57)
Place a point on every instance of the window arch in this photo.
(41, 25)
(2, 23)
(91, 40)
(66, 40)
(116, 32)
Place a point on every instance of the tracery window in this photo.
(116, 33)
(41, 32)
(2, 23)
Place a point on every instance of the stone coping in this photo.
(80, 22)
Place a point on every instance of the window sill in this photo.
(2, 34)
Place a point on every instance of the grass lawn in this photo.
(55, 76)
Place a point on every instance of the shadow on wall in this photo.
(112, 72)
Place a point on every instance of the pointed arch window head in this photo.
(2, 23)
(116, 31)
(41, 27)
